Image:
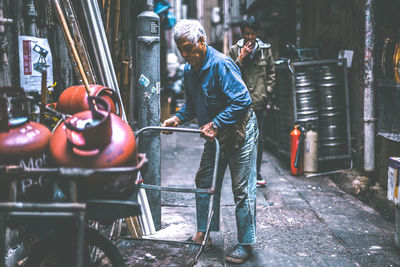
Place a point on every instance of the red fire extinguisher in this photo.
(296, 148)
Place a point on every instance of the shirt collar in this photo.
(207, 60)
(206, 63)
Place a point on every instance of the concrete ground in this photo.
(300, 221)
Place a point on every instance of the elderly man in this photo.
(254, 58)
(217, 96)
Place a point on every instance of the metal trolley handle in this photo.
(183, 130)
(189, 190)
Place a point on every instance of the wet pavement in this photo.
(300, 221)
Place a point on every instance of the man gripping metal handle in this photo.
(217, 96)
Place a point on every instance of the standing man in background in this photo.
(217, 96)
(256, 63)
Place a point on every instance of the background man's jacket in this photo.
(258, 72)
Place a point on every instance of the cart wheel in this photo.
(57, 250)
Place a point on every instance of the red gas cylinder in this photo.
(74, 99)
(22, 142)
(294, 144)
(94, 138)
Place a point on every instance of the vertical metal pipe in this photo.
(116, 29)
(3, 240)
(369, 109)
(226, 27)
(200, 11)
(3, 41)
(293, 92)
(69, 40)
(99, 41)
(80, 238)
(132, 79)
(347, 102)
(89, 24)
(31, 15)
(178, 9)
(148, 86)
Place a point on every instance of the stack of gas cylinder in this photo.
(93, 136)
(22, 142)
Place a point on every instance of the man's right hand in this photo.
(246, 50)
(171, 122)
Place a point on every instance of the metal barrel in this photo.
(332, 133)
(306, 97)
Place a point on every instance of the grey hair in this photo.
(190, 29)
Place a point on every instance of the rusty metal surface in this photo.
(167, 253)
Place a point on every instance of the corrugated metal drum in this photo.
(332, 133)
(328, 94)
(306, 97)
(332, 130)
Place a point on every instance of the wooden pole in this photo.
(43, 97)
(116, 29)
(124, 58)
(71, 43)
(107, 9)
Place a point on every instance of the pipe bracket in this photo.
(148, 40)
(370, 119)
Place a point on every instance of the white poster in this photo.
(34, 57)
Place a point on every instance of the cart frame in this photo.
(75, 210)
(210, 191)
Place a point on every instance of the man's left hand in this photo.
(208, 132)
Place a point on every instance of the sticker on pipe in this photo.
(158, 87)
(143, 80)
(147, 95)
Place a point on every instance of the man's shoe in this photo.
(239, 254)
(190, 239)
(260, 181)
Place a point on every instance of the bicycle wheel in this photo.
(58, 250)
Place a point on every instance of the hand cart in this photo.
(170, 253)
(65, 238)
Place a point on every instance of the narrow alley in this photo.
(300, 221)
(87, 88)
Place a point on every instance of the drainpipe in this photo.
(227, 39)
(3, 41)
(31, 15)
(369, 108)
(200, 11)
(148, 88)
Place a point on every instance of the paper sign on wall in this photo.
(34, 57)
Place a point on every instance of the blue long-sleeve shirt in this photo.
(217, 93)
